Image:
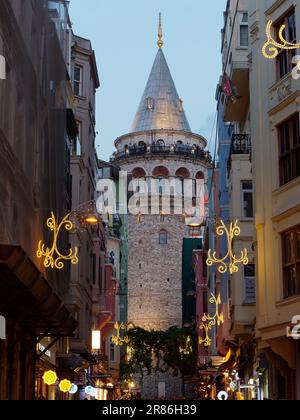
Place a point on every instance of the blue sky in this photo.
(124, 36)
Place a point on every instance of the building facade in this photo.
(83, 169)
(258, 100)
(35, 180)
(274, 104)
(234, 192)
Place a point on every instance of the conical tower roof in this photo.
(160, 107)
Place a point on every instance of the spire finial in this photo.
(160, 42)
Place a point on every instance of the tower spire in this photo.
(160, 42)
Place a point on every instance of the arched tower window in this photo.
(199, 189)
(161, 173)
(163, 237)
(200, 175)
(181, 175)
(139, 175)
(160, 142)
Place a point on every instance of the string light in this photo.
(271, 48)
(234, 231)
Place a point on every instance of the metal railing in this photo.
(241, 144)
(183, 150)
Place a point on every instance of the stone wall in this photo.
(155, 272)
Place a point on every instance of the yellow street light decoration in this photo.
(206, 327)
(187, 349)
(91, 220)
(230, 261)
(65, 386)
(117, 339)
(139, 217)
(80, 219)
(50, 377)
(208, 322)
(53, 258)
(271, 48)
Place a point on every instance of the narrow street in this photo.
(149, 242)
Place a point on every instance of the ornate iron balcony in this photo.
(241, 144)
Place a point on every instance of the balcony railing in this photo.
(241, 144)
(182, 150)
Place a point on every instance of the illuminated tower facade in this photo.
(160, 147)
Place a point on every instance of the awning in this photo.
(28, 298)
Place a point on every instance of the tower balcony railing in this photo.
(181, 150)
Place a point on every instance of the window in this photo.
(243, 30)
(160, 142)
(76, 143)
(161, 185)
(150, 103)
(77, 81)
(112, 351)
(163, 237)
(284, 59)
(289, 150)
(247, 200)
(291, 262)
(250, 294)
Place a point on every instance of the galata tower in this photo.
(160, 147)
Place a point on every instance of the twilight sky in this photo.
(124, 36)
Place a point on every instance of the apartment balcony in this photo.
(184, 151)
(236, 107)
(240, 145)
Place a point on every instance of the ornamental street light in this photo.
(271, 48)
(208, 322)
(78, 220)
(230, 261)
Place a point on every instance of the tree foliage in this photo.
(159, 351)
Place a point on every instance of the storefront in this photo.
(33, 312)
